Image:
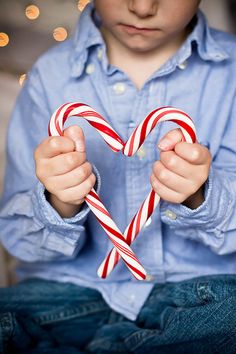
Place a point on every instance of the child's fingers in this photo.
(73, 139)
(61, 164)
(70, 179)
(170, 179)
(195, 153)
(75, 195)
(174, 163)
(54, 146)
(76, 134)
(165, 192)
(169, 140)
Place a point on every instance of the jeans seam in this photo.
(68, 313)
(138, 336)
(146, 334)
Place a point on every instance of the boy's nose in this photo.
(143, 8)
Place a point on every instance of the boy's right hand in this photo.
(62, 168)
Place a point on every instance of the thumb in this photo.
(76, 134)
(169, 140)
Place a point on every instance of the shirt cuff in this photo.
(65, 235)
(212, 215)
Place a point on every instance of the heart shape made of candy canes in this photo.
(121, 241)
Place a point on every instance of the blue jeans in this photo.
(46, 317)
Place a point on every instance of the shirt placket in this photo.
(148, 245)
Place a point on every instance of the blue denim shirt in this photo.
(178, 243)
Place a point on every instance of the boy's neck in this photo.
(139, 66)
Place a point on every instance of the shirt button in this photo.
(148, 222)
(183, 65)
(99, 53)
(170, 214)
(89, 69)
(119, 88)
(219, 56)
(141, 153)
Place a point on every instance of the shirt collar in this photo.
(87, 35)
(207, 46)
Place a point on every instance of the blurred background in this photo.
(29, 28)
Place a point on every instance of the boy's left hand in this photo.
(183, 168)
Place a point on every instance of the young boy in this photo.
(127, 58)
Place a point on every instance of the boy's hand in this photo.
(62, 167)
(183, 168)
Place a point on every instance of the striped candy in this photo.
(122, 242)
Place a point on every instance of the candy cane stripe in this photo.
(121, 241)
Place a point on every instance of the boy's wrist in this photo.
(65, 210)
(195, 200)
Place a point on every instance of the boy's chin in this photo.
(141, 48)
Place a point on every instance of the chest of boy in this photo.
(117, 100)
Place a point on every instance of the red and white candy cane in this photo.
(132, 145)
(122, 242)
(132, 230)
(92, 199)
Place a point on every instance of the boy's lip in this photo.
(133, 29)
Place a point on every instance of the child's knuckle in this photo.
(54, 143)
(195, 154)
(162, 174)
(82, 173)
(155, 184)
(156, 166)
(163, 177)
(171, 162)
(71, 160)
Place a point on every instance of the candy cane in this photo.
(132, 230)
(92, 199)
(120, 241)
(132, 145)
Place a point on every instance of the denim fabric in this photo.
(193, 316)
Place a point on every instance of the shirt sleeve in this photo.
(214, 222)
(31, 229)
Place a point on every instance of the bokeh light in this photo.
(32, 12)
(81, 4)
(4, 39)
(22, 79)
(60, 34)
